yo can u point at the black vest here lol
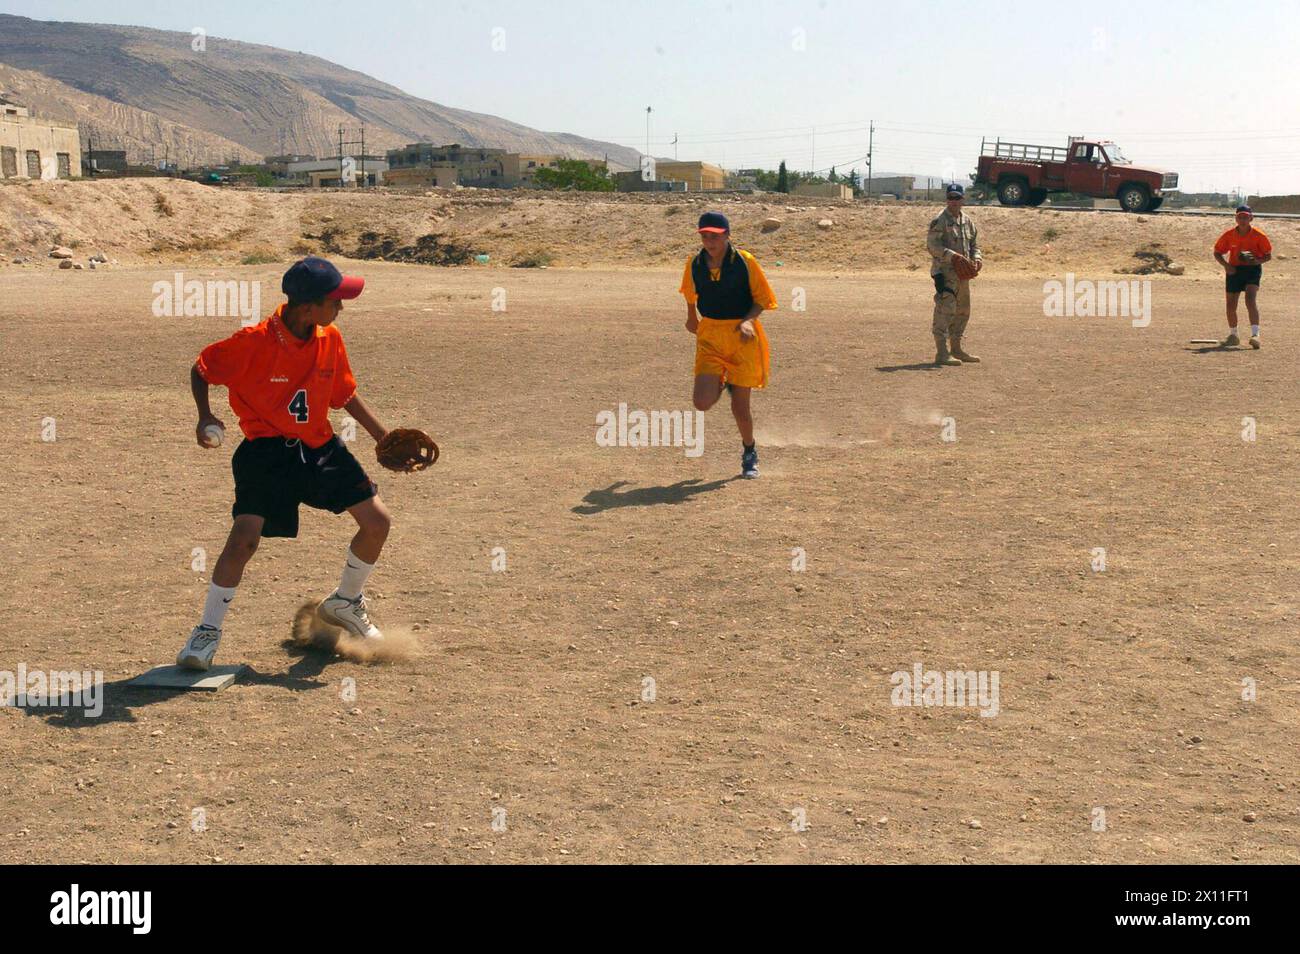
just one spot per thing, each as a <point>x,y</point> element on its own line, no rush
<point>729,297</point>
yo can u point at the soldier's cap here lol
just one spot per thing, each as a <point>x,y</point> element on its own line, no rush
<point>1245,208</point>
<point>714,222</point>
<point>955,191</point>
<point>314,279</point>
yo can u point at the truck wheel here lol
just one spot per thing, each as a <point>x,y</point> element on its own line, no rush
<point>1134,198</point>
<point>1013,192</point>
<point>1036,197</point>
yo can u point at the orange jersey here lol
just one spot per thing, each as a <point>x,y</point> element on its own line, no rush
<point>1234,243</point>
<point>281,386</point>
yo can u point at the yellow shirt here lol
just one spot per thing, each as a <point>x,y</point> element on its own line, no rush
<point>758,286</point>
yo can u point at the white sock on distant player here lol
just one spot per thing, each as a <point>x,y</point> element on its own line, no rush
<point>1254,331</point>
<point>214,610</point>
<point>355,573</point>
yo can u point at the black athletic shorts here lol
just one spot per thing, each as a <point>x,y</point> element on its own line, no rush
<point>1243,276</point>
<point>273,475</point>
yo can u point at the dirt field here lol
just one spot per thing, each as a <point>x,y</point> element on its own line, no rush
<point>161,221</point>
<point>1119,689</point>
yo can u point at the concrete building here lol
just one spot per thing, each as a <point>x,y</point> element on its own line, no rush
<point>900,186</point>
<point>326,173</point>
<point>1274,203</point>
<point>279,165</point>
<point>104,160</point>
<point>698,176</point>
<point>474,166</point>
<point>520,168</point>
<point>824,190</point>
<point>632,182</point>
<point>743,178</point>
<point>439,175</point>
<point>35,148</point>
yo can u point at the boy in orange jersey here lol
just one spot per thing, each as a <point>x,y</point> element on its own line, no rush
<point>1242,251</point>
<point>726,291</point>
<point>283,376</point>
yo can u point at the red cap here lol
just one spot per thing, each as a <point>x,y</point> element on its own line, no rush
<point>350,287</point>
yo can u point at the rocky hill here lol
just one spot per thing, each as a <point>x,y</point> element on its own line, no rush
<point>265,99</point>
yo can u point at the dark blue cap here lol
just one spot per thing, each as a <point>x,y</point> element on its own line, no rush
<point>314,279</point>
<point>713,222</point>
<point>954,189</point>
<point>1245,208</point>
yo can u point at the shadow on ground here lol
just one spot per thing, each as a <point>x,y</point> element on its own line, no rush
<point>919,366</point>
<point>610,497</point>
<point>120,699</point>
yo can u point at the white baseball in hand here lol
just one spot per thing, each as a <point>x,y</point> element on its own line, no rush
<point>214,434</point>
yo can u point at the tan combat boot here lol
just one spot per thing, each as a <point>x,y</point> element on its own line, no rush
<point>962,356</point>
<point>941,356</point>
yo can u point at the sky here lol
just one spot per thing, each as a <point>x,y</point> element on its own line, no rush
<point>1205,89</point>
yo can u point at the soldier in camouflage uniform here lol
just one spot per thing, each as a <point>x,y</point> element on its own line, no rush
<point>951,233</point>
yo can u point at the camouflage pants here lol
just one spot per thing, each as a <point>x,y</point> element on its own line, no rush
<point>951,304</point>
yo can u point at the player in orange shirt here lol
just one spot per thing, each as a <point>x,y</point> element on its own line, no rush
<point>283,376</point>
<point>1242,251</point>
<point>728,289</point>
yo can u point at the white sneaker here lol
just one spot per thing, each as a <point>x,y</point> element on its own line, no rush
<point>199,648</point>
<point>350,614</point>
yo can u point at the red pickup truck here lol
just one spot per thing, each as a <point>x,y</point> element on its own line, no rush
<point>1024,174</point>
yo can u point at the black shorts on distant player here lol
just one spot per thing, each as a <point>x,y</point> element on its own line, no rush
<point>1243,276</point>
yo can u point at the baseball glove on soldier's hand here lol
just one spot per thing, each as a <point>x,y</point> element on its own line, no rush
<point>965,268</point>
<point>406,449</point>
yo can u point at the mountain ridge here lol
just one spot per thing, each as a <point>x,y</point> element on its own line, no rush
<point>265,99</point>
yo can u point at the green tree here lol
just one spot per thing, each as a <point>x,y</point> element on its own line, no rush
<point>575,174</point>
<point>782,179</point>
<point>833,176</point>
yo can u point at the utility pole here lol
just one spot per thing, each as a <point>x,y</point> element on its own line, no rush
<point>812,140</point>
<point>647,130</point>
<point>363,156</point>
<point>340,156</point>
<point>871,145</point>
<point>674,147</point>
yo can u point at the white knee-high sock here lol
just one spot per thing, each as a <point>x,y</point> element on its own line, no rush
<point>355,573</point>
<point>214,610</point>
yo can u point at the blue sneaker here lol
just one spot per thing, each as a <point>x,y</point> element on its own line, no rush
<point>749,463</point>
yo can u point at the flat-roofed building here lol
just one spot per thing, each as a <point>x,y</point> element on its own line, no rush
<point>36,148</point>
<point>824,190</point>
<point>475,166</point>
<point>698,176</point>
<point>333,172</point>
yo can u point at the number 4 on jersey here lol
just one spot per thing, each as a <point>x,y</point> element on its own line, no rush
<point>298,406</point>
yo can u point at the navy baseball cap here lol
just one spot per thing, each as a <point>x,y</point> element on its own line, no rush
<point>1245,208</point>
<point>956,191</point>
<point>313,279</point>
<point>713,222</point>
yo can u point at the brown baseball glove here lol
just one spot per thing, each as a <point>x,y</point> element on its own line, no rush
<point>965,268</point>
<point>406,449</point>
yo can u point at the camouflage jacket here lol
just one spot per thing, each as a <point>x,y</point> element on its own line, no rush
<point>946,235</point>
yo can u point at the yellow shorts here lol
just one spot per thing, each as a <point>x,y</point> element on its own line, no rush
<point>720,350</point>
